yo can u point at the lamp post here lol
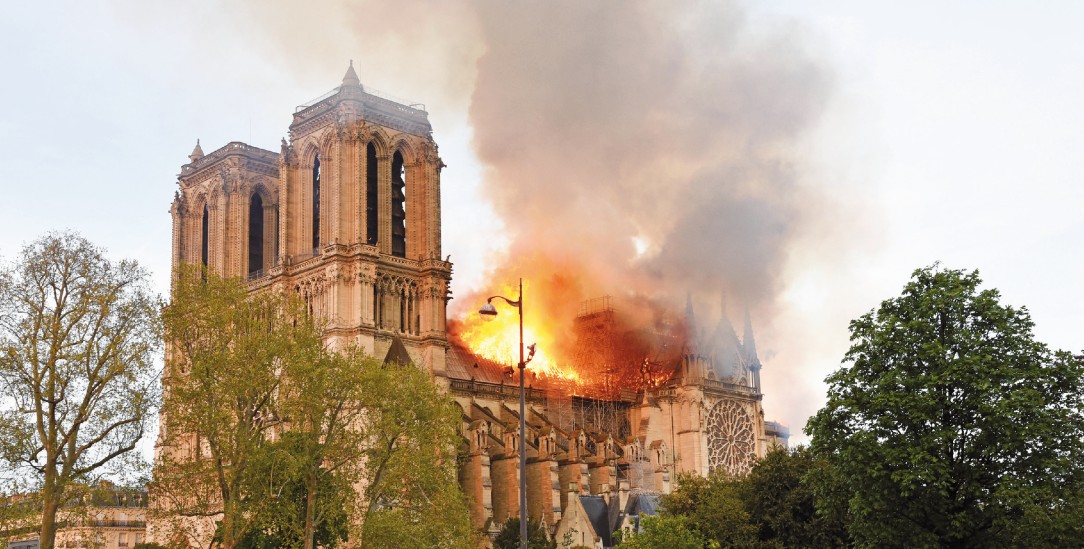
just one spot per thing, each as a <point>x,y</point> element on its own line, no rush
<point>488,312</point>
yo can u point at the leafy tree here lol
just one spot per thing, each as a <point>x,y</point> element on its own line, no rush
<point>79,334</point>
<point>225,377</point>
<point>715,508</point>
<point>669,531</point>
<point>279,478</point>
<point>247,367</point>
<point>775,505</point>
<point>952,426</point>
<point>508,537</point>
<point>781,501</point>
<point>411,430</point>
<point>323,402</point>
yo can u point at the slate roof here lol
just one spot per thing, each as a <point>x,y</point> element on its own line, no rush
<point>599,515</point>
<point>397,353</point>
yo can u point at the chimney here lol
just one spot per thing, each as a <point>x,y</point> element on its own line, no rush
<point>622,494</point>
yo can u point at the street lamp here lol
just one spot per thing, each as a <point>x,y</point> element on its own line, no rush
<point>489,312</point>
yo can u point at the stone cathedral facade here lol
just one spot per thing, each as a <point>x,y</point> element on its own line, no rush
<point>347,215</point>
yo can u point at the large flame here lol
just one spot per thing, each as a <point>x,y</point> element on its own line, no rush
<point>599,348</point>
<point>497,337</point>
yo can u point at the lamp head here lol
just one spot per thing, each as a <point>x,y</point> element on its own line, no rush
<point>488,312</point>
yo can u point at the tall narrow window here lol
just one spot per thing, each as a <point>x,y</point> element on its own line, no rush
<point>203,238</point>
<point>255,234</point>
<point>378,306</point>
<point>398,206</point>
<point>403,315</point>
<point>370,195</point>
<point>316,204</point>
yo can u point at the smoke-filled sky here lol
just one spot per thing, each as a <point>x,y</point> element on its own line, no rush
<point>801,157</point>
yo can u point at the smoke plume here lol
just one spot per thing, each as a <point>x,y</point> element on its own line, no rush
<point>643,149</point>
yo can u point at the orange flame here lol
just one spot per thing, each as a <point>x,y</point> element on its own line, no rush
<point>583,348</point>
<point>497,338</point>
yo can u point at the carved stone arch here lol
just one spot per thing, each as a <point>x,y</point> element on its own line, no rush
<point>267,189</point>
<point>309,149</point>
<point>403,145</point>
<point>381,142</point>
<point>198,201</point>
<point>327,140</point>
<point>214,194</point>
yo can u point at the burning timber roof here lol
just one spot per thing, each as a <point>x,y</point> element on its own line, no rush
<point>465,365</point>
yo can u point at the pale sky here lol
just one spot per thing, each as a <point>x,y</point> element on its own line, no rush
<point>952,133</point>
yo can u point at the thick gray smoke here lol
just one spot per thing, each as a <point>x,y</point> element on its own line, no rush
<point>645,147</point>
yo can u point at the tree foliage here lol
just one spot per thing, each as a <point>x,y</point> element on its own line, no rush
<point>268,432</point>
<point>279,478</point>
<point>715,508</point>
<point>780,497</point>
<point>79,335</point>
<point>508,537</point>
<point>229,353</point>
<point>952,426</point>
<point>670,531</point>
<point>775,505</point>
<point>324,402</point>
<point>411,432</point>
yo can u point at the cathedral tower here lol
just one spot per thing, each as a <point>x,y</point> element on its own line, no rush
<point>346,214</point>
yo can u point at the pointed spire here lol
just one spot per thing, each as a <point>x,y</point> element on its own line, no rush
<point>197,153</point>
<point>748,343</point>
<point>689,317</point>
<point>691,333</point>
<point>351,78</point>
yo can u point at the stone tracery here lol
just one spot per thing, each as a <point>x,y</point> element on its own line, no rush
<point>731,439</point>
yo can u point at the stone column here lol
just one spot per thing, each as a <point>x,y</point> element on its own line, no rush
<point>572,473</point>
<point>178,241</point>
<point>474,474</point>
<point>269,235</point>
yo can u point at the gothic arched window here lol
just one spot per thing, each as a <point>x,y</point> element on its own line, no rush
<point>255,233</point>
<point>370,195</point>
<point>203,237</point>
<point>398,206</point>
<point>316,204</point>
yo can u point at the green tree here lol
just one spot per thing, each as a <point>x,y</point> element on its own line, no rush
<point>779,496</point>
<point>715,508</point>
<point>411,430</point>
<point>669,531</point>
<point>508,537</point>
<point>79,335</point>
<point>229,352</point>
<point>952,426</point>
<point>324,402</point>
<point>278,477</point>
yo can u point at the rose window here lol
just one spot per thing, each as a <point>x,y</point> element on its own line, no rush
<point>731,442</point>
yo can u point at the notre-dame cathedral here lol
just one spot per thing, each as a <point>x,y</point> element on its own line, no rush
<point>347,214</point>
